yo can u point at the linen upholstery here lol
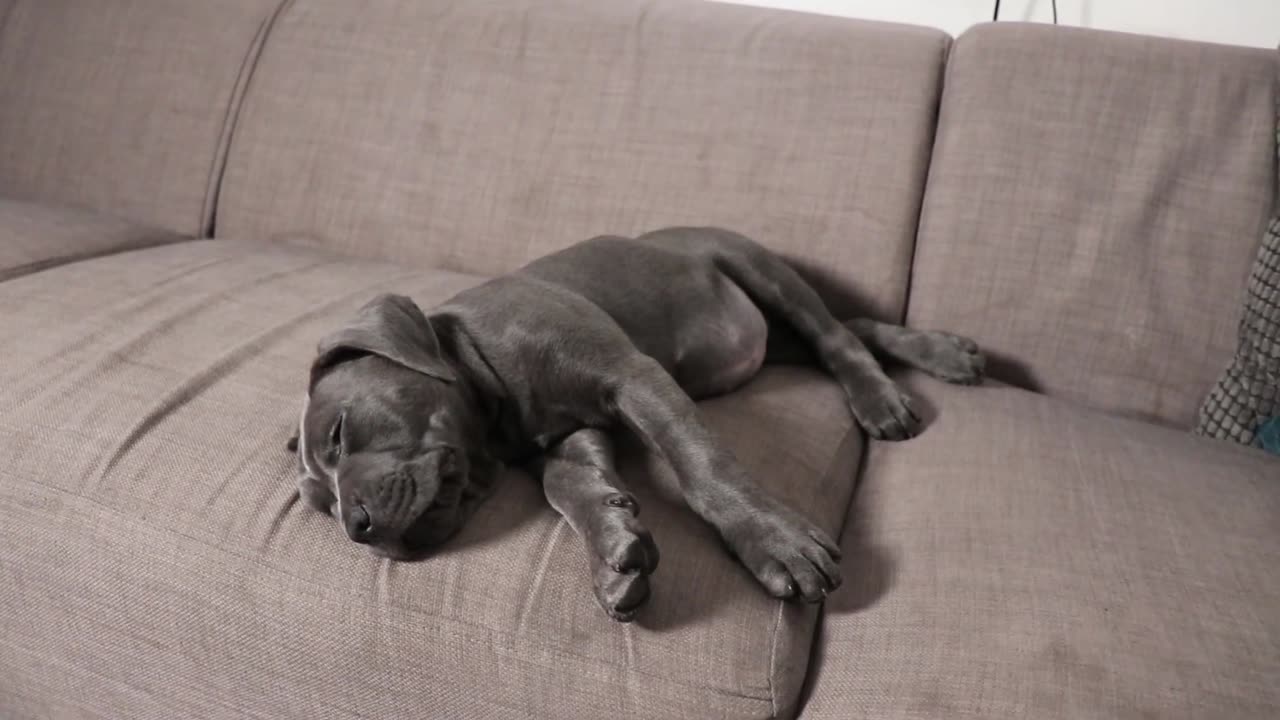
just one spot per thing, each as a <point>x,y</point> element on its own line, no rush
<point>480,135</point>
<point>124,106</point>
<point>34,236</point>
<point>1094,203</point>
<point>157,563</point>
<point>1028,558</point>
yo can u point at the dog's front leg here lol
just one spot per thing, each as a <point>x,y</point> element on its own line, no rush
<point>786,553</point>
<point>580,482</point>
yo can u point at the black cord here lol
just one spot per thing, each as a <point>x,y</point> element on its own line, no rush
<point>995,14</point>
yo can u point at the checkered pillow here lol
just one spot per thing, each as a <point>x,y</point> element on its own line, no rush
<point>1248,393</point>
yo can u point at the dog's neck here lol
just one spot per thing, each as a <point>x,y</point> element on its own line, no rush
<point>476,377</point>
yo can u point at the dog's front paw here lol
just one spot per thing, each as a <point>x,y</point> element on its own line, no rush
<point>885,413</point>
<point>953,358</point>
<point>788,555</point>
<point>620,594</point>
<point>623,555</point>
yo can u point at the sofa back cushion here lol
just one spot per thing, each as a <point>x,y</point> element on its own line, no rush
<point>123,106</point>
<point>476,136</point>
<point>1093,205</point>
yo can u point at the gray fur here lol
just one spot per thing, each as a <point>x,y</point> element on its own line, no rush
<point>408,413</point>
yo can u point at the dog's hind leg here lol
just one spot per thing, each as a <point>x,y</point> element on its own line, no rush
<point>876,402</point>
<point>943,355</point>
<point>580,482</point>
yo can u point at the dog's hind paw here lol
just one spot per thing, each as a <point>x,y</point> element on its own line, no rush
<point>953,358</point>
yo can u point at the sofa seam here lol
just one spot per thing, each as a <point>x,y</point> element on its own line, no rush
<point>853,432</point>
<point>231,117</point>
<point>944,73</point>
<point>4,17</point>
<point>147,241</point>
<point>1275,160</point>
<point>773,662</point>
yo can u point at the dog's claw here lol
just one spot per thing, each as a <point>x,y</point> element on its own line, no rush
<point>885,413</point>
<point>621,595</point>
<point>787,554</point>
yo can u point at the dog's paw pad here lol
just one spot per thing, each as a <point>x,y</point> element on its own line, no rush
<point>624,500</point>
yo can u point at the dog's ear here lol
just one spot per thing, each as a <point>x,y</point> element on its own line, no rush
<point>391,327</point>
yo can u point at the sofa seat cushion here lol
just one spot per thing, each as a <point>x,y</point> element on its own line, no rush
<point>155,561</point>
<point>1026,558</point>
<point>34,236</point>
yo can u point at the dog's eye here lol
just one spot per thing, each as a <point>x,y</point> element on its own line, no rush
<point>335,437</point>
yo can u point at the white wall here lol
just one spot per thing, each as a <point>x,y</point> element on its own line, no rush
<point>1240,22</point>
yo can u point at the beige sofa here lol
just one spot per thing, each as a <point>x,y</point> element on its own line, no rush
<point>193,192</point>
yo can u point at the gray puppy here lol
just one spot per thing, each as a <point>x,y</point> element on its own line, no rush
<point>408,414</point>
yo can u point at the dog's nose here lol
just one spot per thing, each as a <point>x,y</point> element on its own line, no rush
<point>359,524</point>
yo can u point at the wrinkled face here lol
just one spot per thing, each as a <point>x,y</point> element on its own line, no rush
<point>382,449</point>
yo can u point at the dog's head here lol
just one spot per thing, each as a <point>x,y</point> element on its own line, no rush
<point>387,438</point>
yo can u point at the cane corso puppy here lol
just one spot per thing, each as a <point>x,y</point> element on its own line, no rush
<point>408,413</point>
